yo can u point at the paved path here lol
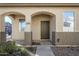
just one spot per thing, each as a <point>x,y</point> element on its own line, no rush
<point>44,50</point>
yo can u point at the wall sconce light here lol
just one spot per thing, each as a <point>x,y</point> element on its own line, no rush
<point>28,23</point>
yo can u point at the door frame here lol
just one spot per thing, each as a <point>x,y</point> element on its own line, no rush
<point>41,29</point>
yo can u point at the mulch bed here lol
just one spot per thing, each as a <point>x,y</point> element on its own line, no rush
<point>65,51</point>
<point>32,49</point>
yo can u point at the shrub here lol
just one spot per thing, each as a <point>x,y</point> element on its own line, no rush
<point>10,48</point>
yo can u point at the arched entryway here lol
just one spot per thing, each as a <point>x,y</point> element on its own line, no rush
<point>43,28</point>
<point>8,27</point>
<point>17,26</point>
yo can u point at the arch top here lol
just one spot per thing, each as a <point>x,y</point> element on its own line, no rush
<point>42,12</point>
<point>13,12</point>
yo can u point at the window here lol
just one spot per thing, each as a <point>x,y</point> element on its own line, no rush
<point>68,21</point>
<point>22,25</point>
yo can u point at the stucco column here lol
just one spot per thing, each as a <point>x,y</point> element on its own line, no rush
<point>28,33</point>
<point>59,28</point>
<point>2,30</point>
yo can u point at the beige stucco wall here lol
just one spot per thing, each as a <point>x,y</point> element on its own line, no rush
<point>58,11</point>
<point>52,26</point>
<point>2,24</point>
<point>16,33</point>
<point>28,11</point>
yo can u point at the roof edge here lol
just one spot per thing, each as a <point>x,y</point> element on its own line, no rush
<point>39,4</point>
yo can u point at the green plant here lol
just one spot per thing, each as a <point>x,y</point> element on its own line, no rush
<point>12,49</point>
<point>2,47</point>
<point>23,52</point>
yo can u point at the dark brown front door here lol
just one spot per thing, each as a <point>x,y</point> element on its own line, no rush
<point>44,29</point>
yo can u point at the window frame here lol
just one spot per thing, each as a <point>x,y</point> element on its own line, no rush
<point>73,20</point>
<point>20,27</point>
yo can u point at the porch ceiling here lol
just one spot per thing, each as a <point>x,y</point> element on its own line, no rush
<point>39,4</point>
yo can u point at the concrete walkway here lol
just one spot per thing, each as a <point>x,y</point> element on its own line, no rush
<point>44,50</point>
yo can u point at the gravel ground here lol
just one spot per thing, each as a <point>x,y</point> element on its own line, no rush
<point>65,51</point>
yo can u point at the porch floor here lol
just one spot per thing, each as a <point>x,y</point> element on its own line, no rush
<point>42,42</point>
<point>45,42</point>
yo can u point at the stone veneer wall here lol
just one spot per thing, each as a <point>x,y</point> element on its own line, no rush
<point>28,38</point>
<point>67,38</point>
<point>2,37</point>
<point>53,38</point>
